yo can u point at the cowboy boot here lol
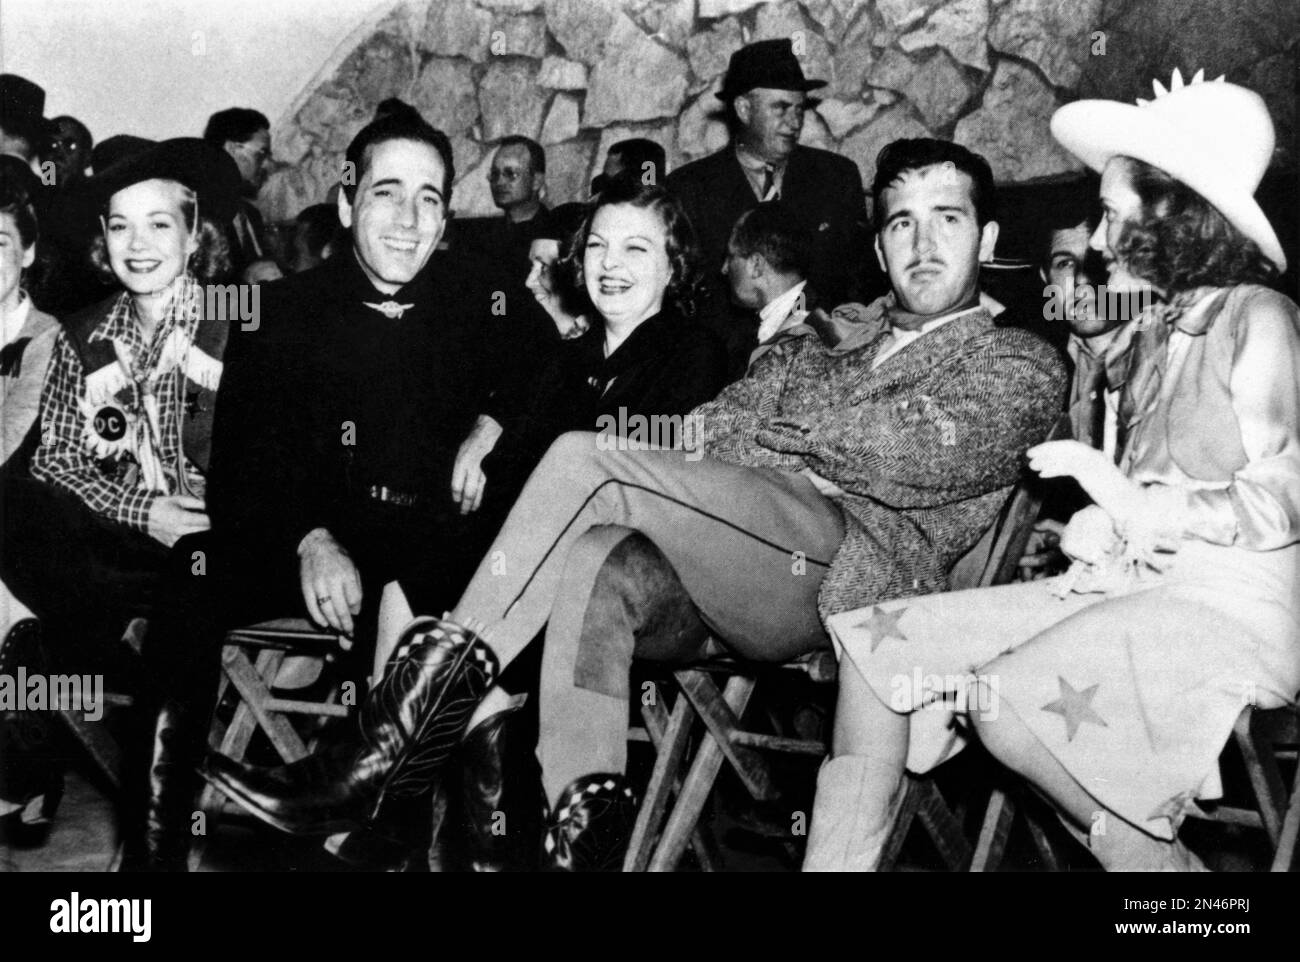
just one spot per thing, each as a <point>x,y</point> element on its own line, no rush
<point>410,723</point>
<point>501,787</point>
<point>591,826</point>
<point>843,836</point>
<point>178,745</point>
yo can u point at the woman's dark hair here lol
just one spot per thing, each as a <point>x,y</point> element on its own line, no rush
<point>681,245</point>
<point>210,262</point>
<point>1180,241</point>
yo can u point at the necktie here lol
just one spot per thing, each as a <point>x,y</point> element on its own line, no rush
<point>769,181</point>
<point>11,357</point>
<point>1095,398</point>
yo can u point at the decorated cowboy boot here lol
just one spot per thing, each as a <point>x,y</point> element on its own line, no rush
<point>590,827</point>
<point>409,725</point>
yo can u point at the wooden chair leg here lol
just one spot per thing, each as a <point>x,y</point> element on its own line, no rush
<point>902,824</point>
<point>1284,854</point>
<point>1051,860</point>
<point>994,830</point>
<point>699,780</point>
<point>1261,768</point>
<point>944,829</point>
<point>723,721</point>
<point>254,686</point>
<point>670,739</point>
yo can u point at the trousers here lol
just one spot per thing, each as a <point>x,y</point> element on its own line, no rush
<point>749,546</point>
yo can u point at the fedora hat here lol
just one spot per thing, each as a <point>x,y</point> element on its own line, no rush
<point>1215,137</point>
<point>208,171</point>
<point>767,63</point>
<point>22,105</point>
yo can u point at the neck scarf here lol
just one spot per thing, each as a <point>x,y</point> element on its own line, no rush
<point>116,376</point>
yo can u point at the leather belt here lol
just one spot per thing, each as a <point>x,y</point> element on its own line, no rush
<point>403,499</point>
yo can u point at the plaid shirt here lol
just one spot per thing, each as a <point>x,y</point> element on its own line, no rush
<point>110,482</point>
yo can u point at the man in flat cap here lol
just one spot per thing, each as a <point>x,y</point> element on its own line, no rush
<point>766,96</point>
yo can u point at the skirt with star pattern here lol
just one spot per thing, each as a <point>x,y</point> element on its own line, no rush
<point>1135,692</point>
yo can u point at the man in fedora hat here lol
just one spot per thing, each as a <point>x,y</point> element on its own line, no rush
<point>766,95</point>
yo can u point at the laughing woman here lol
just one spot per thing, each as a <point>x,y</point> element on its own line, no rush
<point>1114,688</point>
<point>117,478</point>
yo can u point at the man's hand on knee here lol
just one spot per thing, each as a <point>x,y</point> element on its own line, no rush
<point>330,582</point>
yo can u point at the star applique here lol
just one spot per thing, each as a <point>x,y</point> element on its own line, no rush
<point>1174,808</point>
<point>883,625</point>
<point>1075,707</point>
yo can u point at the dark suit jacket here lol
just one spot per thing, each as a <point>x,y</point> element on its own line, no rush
<point>823,189</point>
<point>280,464</point>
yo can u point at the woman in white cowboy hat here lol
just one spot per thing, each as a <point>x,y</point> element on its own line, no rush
<point>1114,688</point>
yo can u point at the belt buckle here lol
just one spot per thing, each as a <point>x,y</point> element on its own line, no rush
<point>381,492</point>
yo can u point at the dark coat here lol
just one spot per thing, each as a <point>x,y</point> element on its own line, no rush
<point>667,366</point>
<point>318,362</point>
<point>823,189</point>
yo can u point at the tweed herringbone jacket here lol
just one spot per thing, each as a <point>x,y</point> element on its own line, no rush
<point>927,446</point>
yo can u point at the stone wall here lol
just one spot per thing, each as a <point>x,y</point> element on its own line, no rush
<point>580,74</point>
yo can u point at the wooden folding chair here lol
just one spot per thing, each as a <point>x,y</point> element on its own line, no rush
<point>250,665</point>
<point>992,561</point>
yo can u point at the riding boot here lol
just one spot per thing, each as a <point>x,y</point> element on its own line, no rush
<point>410,723</point>
<point>590,827</point>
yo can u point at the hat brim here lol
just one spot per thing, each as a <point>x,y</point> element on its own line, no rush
<point>207,170</point>
<point>1097,130</point>
<point>727,95</point>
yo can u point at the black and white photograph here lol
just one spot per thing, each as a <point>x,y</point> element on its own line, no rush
<point>694,436</point>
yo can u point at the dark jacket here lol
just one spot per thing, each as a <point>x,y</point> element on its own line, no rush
<point>667,366</point>
<point>823,189</point>
<point>326,398</point>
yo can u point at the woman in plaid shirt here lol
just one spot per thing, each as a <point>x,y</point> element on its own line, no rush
<point>117,479</point>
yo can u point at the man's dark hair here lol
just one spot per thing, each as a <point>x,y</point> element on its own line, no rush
<point>1179,241</point>
<point>902,156</point>
<point>636,152</point>
<point>82,131</point>
<point>235,124</point>
<point>771,231</point>
<point>399,126</point>
<point>319,223</point>
<point>396,107</point>
<point>536,155</point>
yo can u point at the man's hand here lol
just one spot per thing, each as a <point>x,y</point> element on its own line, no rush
<point>828,489</point>
<point>1090,535</point>
<point>330,582</point>
<point>173,516</point>
<point>467,478</point>
<point>1043,555</point>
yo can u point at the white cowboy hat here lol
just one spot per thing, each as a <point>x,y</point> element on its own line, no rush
<point>1215,137</point>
